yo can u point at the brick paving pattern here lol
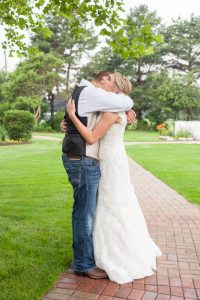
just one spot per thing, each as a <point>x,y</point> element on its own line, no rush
<point>174,224</point>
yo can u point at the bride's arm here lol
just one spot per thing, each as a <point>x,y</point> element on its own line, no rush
<point>91,136</point>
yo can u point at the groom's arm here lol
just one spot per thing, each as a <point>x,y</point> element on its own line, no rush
<point>94,99</point>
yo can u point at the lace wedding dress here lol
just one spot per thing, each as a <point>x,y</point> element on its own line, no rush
<point>122,244</point>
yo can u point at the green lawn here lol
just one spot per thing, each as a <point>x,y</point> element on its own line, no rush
<point>130,135</point>
<point>177,165</point>
<point>35,219</point>
<point>141,136</point>
<point>35,208</point>
<point>52,134</point>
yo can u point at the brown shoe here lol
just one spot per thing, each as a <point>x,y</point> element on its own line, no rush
<point>96,273</point>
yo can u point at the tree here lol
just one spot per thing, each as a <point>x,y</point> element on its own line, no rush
<point>104,59</point>
<point>148,59</point>
<point>137,62</point>
<point>30,103</point>
<point>68,46</point>
<point>138,35</point>
<point>33,79</point>
<point>3,79</point>
<point>29,16</point>
<point>163,96</point>
<point>182,46</point>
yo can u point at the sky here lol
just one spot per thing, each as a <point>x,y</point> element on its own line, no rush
<point>167,10</point>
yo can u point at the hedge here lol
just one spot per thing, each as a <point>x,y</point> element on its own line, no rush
<point>18,124</point>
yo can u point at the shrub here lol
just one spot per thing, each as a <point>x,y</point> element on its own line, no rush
<point>18,124</point>
<point>43,127</point>
<point>153,125</point>
<point>183,134</point>
<point>170,123</point>
<point>50,125</point>
<point>23,103</point>
<point>4,106</point>
<point>144,124</point>
<point>30,103</point>
<point>2,134</point>
<point>132,126</point>
<point>163,131</point>
<point>58,119</point>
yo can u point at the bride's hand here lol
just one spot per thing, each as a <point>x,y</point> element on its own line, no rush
<point>131,116</point>
<point>71,109</point>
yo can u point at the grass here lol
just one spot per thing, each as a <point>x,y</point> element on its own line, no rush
<point>51,134</point>
<point>35,208</point>
<point>130,135</point>
<point>176,165</point>
<point>141,136</point>
<point>35,219</point>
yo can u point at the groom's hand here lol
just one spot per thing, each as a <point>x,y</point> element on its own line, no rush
<point>131,116</point>
<point>63,125</point>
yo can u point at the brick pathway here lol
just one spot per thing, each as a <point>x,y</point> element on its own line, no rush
<point>174,224</point>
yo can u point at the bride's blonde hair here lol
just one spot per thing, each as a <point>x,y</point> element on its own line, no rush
<point>123,83</point>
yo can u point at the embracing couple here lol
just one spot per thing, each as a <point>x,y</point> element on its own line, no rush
<point>110,235</point>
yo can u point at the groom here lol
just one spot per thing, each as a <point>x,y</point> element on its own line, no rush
<point>82,166</point>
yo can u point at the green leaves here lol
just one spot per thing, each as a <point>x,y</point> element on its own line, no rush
<point>132,38</point>
<point>105,31</point>
<point>168,97</point>
<point>33,78</point>
<point>22,23</point>
<point>137,36</point>
<point>182,40</point>
<point>159,38</point>
<point>29,16</point>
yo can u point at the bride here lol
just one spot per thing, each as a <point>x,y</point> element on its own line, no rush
<point>122,244</point>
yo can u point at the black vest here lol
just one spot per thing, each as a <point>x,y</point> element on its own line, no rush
<point>73,143</point>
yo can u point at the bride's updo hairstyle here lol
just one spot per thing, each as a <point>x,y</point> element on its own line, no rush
<point>123,83</point>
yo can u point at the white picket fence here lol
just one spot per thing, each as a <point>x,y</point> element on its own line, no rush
<point>190,126</point>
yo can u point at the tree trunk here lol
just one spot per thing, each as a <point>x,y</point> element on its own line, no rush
<point>52,98</point>
<point>58,98</point>
<point>139,75</point>
<point>57,91</point>
<point>37,113</point>
<point>67,79</point>
<point>139,114</point>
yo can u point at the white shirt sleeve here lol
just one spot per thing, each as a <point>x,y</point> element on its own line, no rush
<point>94,99</point>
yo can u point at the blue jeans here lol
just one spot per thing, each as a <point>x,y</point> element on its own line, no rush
<point>84,175</point>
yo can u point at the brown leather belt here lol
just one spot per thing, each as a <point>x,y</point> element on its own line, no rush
<point>75,156</point>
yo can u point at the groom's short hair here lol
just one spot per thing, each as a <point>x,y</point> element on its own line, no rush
<point>98,77</point>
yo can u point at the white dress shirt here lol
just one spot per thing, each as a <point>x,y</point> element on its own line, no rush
<point>93,99</point>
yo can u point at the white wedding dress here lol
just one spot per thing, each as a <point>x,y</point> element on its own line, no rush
<point>122,244</point>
